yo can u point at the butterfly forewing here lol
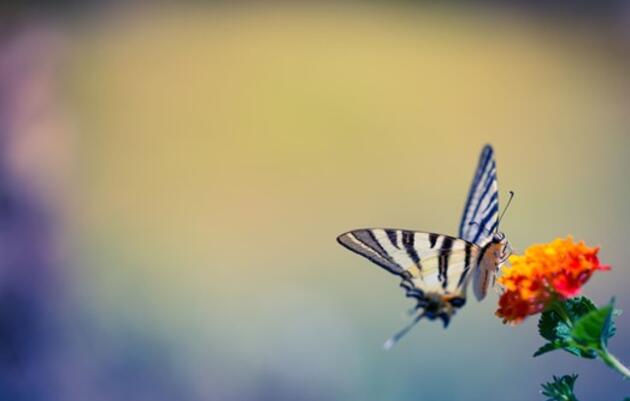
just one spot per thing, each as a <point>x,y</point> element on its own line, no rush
<point>480,217</point>
<point>429,262</point>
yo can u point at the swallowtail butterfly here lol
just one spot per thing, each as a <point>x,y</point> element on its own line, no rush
<point>435,268</point>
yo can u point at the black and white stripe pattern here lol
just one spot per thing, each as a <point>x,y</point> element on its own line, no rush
<point>436,269</point>
<point>480,217</point>
<point>425,261</point>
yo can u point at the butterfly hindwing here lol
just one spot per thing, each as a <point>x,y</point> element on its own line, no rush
<point>480,217</point>
<point>427,262</point>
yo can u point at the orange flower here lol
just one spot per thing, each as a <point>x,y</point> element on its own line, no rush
<point>545,273</point>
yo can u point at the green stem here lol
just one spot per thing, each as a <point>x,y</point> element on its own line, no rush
<point>613,362</point>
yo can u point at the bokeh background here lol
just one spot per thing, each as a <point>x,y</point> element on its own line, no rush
<point>173,177</point>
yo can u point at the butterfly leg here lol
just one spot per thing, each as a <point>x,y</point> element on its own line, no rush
<point>505,254</point>
<point>396,337</point>
<point>497,288</point>
<point>412,311</point>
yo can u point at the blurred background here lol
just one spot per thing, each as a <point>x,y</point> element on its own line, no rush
<point>173,177</point>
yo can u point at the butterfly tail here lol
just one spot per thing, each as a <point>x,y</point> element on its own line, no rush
<point>446,319</point>
<point>396,337</point>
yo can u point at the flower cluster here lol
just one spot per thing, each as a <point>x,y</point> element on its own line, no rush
<point>545,273</point>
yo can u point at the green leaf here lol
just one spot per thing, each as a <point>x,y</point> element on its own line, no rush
<point>592,330</point>
<point>549,347</point>
<point>610,328</point>
<point>608,325</point>
<point>554,328</point>
<point>578,307</point>
<point>613,328</point>
<point>567,345</point>
<point>576,350</point>
<point>578,327</point>
<point>560,389</point>
<point>548,323</point>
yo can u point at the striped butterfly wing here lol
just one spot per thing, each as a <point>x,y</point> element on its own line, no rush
<point>428,263</point>
<point>480,217</point>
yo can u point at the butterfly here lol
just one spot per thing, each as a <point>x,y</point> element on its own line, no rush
<point>436,269</point>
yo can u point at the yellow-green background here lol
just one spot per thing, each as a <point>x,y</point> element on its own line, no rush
<point>221,150</point>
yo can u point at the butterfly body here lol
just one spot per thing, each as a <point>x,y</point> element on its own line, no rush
<point>436,269</point>
<point>493,254</point>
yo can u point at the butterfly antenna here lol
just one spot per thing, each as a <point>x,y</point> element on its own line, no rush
<point>396,337</point>
<point>507,205</point>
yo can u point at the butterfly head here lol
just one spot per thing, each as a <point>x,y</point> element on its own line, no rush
<point>498,237</point>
